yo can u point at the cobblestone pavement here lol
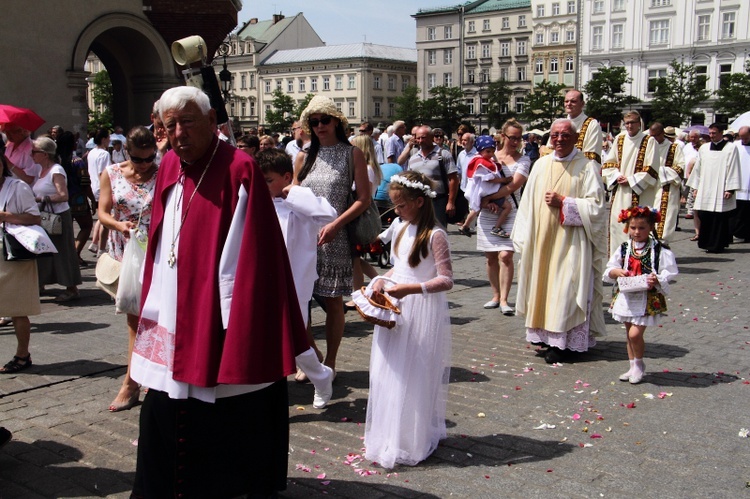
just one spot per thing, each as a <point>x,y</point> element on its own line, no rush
<point>674,435</point>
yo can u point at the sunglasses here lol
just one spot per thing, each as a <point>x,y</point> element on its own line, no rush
<point>325,120</point>
<point>37,151</point>
<point>137,160</point>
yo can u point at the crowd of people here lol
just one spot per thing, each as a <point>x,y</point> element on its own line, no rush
<point>214,222</point>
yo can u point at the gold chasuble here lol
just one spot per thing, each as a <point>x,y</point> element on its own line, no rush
<point>562,257</point>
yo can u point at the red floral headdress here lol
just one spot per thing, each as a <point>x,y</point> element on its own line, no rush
<point>650,214</point>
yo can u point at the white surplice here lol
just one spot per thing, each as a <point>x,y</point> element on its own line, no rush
<point>714,173</point>
<point>640,185</point>
<point>667,195</point>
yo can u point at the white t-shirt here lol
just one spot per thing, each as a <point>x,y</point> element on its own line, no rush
<point>98,159</point>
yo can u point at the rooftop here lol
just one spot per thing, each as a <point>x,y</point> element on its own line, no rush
<point>476,7</point>
<point>265,31</point>
<point>348,51</point>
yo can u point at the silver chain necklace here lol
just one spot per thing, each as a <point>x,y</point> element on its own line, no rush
<point>172,260</point>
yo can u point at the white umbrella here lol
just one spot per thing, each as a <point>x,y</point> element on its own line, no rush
<point>743,120</point>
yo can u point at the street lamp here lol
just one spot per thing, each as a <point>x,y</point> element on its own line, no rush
<point>225,76</point>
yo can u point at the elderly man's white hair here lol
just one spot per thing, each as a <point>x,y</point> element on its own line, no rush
<point>565,121</point>
<point>177,98</point>
<point>472,137</point>
<point>389,130</point>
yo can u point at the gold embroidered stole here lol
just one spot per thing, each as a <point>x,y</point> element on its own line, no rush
<point>664,203</point>
<point>640,167</point>
<point>615,164</point>
<point>582,136</point>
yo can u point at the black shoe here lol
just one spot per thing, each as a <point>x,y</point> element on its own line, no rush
<point>553,355</point>
<point>5,436</point>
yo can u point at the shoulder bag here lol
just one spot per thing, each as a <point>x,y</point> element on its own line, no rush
<point>365,228</point>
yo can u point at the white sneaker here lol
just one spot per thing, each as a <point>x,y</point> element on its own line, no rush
<point>626,376</point>
<point>323,396</point>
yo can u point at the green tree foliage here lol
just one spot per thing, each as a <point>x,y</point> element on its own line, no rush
<point>282,113</point>
<point>409,107</point>
<point>498,100</point>
<point>445,108</point>
<point>677,95</point>
<point>734,93</point>
<point>544,105</point>
<point>101,93</point>
<point>606,98</point>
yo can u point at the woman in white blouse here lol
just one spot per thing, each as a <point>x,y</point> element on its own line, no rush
<point>51,191</point>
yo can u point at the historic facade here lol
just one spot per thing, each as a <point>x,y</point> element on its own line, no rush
<point>554,41</point>
<point>131,37</point>
<point>644,36</point>
<point>363,79</point>
<point>248,47</point>
<point>493,43</point>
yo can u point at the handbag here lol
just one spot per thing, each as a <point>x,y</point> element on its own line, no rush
<point>107,274</point>
<point>461,203</point>
<point>13,251</point>
<point>365,228</point>
<point>51,222</point>
<point>376,307</point>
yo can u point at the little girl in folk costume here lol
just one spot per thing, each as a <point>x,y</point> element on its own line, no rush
<point>410,364</point>
<point>642,255</point>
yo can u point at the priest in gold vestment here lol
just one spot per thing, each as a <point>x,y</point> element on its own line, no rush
<point>561,234</point>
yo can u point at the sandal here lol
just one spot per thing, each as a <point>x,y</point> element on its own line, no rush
<point>6,321</point>
<point>465,231</point>
<point>66,296</point>
<point>15,365</point>
<point>694,238</point>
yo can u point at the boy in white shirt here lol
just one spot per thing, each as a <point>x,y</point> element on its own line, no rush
<point>301,216</point>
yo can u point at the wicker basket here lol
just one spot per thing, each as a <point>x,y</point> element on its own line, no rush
<point>376,307</point>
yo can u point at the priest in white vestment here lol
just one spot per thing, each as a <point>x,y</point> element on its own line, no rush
<point>716,178</point>
<point>740,223</point>
<point>589,130</point>
<point>560,233</point>
<point>626,174</point>
<point>669,162</point>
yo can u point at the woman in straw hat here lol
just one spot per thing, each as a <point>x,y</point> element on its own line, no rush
<point>326,169</point>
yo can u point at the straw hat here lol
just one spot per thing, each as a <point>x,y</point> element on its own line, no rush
<point>670,132</point>
<point>321,104</point>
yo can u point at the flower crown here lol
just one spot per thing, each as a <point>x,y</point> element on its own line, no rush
<point>413,184</point>
<point>640,211</point>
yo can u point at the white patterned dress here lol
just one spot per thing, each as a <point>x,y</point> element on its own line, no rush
<point>130,201</point>
<point>410,364</point>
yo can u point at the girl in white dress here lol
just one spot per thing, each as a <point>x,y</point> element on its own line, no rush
<point>410,364</point>
<point>642,254</point>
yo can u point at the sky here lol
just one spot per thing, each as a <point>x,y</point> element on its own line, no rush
<point>337,22</point>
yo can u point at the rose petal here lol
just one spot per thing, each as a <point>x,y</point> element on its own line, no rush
<point>631,405</point>
<point>576,416</point>
<point>321,476</point>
